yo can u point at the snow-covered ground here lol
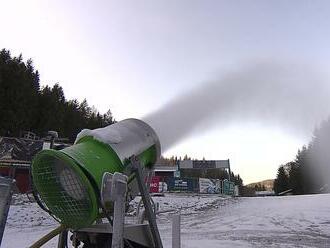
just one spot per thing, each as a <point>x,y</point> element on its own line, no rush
<point>292,221</point>
<point>207,221</point>
<point>26,223</point>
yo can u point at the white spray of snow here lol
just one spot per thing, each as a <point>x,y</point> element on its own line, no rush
<point>279,94</point>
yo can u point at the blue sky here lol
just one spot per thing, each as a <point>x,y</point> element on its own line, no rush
<point>135,56</point>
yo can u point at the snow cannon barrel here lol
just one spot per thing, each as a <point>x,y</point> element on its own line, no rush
<point>69,181</point>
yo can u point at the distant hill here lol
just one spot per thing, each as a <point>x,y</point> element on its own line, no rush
<point>269,184</point>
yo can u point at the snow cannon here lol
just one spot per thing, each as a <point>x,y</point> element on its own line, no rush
<point>68,182</point>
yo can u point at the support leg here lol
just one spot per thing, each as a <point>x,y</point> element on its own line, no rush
<point>136,168</point>
<point>6,192</point>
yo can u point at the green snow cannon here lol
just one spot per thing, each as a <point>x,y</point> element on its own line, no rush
<point>69,181</point>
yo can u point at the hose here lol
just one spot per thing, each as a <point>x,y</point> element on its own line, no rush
<point>48,237</point>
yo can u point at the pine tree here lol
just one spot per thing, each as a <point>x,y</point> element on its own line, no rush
<point>281,182</point>
<point>19,85</point>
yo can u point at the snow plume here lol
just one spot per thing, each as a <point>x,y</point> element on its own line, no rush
<point>316,159</point>
<point>281,94</point>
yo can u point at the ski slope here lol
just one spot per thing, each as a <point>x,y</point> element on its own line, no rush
<point>289,221</point>
<point>207,221</point>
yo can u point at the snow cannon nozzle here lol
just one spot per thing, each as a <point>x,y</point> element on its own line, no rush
<point>69,181</point>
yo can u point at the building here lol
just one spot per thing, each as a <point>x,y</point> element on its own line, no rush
<point>16,155</point>
<point>165,172</point>
<point>199,176</point>
<point>215,169</point>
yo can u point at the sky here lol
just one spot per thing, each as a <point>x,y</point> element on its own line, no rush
<point>133,57</point>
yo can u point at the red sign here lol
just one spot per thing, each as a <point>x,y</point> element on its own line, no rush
<point>154,184</point>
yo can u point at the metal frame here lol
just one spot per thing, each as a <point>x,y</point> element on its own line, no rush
<point>63,239</point>
<point>138,233</point>
<point>114,188</point>
<point>118,196</point>
<point>136,167</point>
<point>176,231</point>
<point>6,193</point>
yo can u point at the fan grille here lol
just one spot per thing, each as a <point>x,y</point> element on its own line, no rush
<point>64,188</point>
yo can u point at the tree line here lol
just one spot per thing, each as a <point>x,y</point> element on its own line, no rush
<point>26,106</point>
<point>309,173</point>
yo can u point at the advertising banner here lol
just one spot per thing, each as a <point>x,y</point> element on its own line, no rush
<point>228,187</point>
<point>154,184</point>
<point>182,184</point>
<point>177,174</point>
<point>209,186</point>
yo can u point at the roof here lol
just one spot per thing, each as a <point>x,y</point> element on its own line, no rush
<point>204,164</point>
<point>165,168</point>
